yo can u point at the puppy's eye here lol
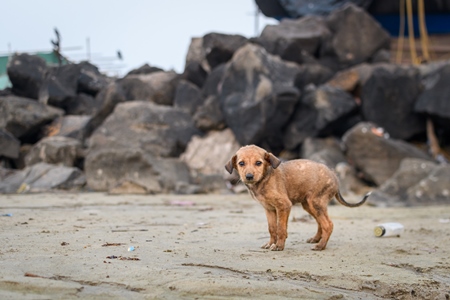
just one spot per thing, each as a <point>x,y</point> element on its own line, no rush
<point>258,163</point>
<point>241,163</point>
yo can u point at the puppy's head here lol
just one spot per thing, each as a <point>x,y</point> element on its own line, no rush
<point>252,163</point>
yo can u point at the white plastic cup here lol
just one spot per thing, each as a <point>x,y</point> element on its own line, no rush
<point>388,229</point>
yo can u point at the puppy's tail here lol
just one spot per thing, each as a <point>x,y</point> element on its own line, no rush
<point>343,202</point>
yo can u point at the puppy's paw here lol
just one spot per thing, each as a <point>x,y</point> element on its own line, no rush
<point>317,248</point>
<point>312,240</point>
<point>266,245</point>
<point>275,247</point>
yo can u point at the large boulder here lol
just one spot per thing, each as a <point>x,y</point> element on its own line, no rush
<point>318,112</point>
<point>157,87</point>
<point>394,191</point>
<point>107,98</point>
<point>375,154</point>
<point>433,189</point>
<point>58,150</point>
<point>157,129</point>
<point>292,40</point>
<point>209,154</point>
<point>24,118</point>
<point>433,101</point>
<point>9,145</point>
<point>144,139</point>
<point>257,96</point>
<point>42,177</point>
<point>356,37</point>
<point>213,49</point>
<point>62,83</point>
<point>206,157</point>
<point>113,169</point>
<point>26,73</point>
<point>219,47</point>
<point>393,89</point>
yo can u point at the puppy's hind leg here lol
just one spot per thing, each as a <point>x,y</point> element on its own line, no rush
<point>324,223</point>
<point>316,238</point>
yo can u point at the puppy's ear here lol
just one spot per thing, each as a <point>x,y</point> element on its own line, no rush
<point>231,164</point>
<point>272,159</point>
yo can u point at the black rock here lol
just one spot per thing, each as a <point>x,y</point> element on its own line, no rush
<point>388,98</point>
<point>295,40</point>
<point>26,73</point>
<point>317,113</point>
<point>24,117</point>
<point>355,37</point>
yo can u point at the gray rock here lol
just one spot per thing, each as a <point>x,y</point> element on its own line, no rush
<point>157,87</point>
<point>326,151</point>
<point>58,150</point>
<point>157,129</point>
<point>376,155</point>
<point>109,169</point>
<point>209,154</point>
<point>9,145</point>
<point>24,117</point>
<point>43,177</point>
<point>394,191</point>
<point>70,126</point>
<point>433,189</point>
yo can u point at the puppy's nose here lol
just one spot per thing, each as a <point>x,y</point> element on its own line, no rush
<point>249,176</point>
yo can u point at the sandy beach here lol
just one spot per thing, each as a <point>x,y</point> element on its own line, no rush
<point>71,246</point>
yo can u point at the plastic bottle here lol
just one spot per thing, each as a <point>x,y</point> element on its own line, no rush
<point>389,229</point>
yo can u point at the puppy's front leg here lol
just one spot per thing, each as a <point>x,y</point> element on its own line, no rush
<point>282,222</point>
<point>272,222</point>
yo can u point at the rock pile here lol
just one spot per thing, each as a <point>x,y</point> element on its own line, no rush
<point>317,87</point>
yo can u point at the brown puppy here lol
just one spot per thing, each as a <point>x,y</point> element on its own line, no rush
<point>278,186</point>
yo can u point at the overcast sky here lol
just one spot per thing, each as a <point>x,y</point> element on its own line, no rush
<point>157,32</point>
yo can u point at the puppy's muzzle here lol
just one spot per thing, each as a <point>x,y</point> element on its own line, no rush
<point>249,176</point>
